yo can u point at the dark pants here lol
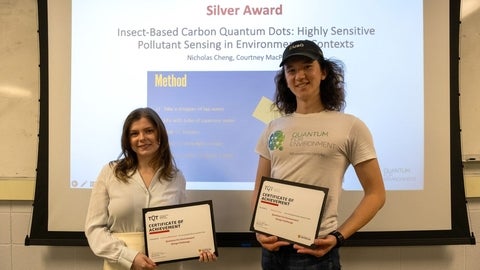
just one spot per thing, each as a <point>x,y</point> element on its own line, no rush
<point>287,258</point>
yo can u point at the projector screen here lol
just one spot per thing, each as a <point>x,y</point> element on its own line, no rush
<point>208,69</point>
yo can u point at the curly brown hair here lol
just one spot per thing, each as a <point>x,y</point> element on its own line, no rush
<point>332,88</point>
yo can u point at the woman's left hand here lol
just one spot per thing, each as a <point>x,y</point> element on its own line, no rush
<point>207,256</point>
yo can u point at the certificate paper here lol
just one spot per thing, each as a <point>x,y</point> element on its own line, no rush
<point>292,211</point>
<point>179,232</point>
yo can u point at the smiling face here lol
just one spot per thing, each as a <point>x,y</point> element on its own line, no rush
<point>144,139</point>
<point>303,78</point>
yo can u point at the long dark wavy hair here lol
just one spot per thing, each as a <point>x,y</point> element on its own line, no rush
<point>332,88</point>
<point>127,163</point>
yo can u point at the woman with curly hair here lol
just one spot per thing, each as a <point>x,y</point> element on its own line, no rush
<point>318,143</point>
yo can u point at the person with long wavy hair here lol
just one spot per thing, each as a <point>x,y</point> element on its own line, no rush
<point>314,142</point>
<point>144,175</point>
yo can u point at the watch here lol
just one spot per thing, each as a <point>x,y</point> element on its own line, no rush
<point>339,237</point>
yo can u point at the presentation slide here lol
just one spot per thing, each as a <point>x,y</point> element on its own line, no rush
<point>208,67</point>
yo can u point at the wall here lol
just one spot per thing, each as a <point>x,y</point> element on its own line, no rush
<point>19,90</point>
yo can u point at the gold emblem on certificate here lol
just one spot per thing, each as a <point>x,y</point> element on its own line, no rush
<point>179,232</point>
<point>292,211</point>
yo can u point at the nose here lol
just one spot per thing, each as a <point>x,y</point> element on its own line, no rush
<point>300,74</point>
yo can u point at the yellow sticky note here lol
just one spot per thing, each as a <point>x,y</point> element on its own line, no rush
<point>265,112</point>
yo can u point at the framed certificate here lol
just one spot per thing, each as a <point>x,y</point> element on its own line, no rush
<point>289,210</point>
<point>179,232</point>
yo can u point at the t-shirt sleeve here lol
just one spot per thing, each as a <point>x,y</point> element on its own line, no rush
<point>361,143</point>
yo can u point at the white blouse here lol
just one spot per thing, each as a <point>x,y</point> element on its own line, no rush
<point>116,207</point>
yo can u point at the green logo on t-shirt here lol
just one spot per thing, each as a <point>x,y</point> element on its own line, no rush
<point>276,140</point>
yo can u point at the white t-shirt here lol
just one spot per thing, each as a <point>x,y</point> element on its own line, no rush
<point>316,149</point>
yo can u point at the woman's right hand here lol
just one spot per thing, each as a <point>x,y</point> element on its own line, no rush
<point>142,262</point>
<point>270,243</point>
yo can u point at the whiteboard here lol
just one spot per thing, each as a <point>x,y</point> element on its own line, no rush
<point>19,89</point>
<point>19,93</point>
<point>470,77</point>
